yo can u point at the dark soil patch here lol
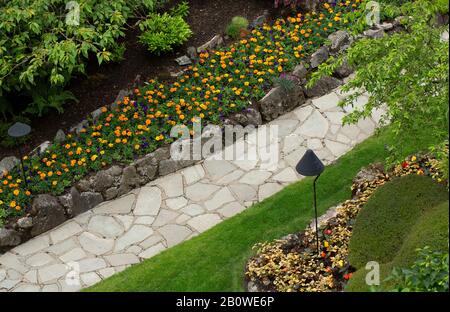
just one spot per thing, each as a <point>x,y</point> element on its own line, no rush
<point>102,84</point>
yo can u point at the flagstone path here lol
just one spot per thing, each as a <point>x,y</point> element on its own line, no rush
<point>174,208</point>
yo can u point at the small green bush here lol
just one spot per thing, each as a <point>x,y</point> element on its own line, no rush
<point>161,33</point>
<point>238,23</point>
<point>428,273</point>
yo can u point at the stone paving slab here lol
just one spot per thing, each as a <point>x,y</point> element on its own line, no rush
<point>175,208</point>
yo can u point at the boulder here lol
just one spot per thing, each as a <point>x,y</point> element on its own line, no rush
<point>339,41</point>
<point>114,171</point>
<point>183,60</point>
<point>300,71</point>
<point>9,238</point>
<point>96,115</point>
<point>7,163</point>
<point>192,53</point>
<point>344,70</point>
<point>280,101</point>
<point>60,136</point>
<point>170,165</point>
<point>130,179</point>
<point>79,127</point>
<point>88,200</point>
<point>212,44</point>
<point>102,181</point>
<point>318,57</point>
<point>111,193</point>
<point>47,213</point>
<point>249,116</point>
<point>323,86</point>
<point>25,223</point>
<point>84,185</point>
<point>122,94</point>
<point>374,33</point>
<point>366,175</point>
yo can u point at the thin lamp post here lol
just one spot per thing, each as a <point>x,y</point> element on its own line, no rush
<point>19,130</point>
<point>311,166</point>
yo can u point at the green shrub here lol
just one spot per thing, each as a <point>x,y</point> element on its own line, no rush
<point>405,214</point>
<point>428,273</point>
<point>238,23</point>
<point>182,9</point>
<point>161,33</point>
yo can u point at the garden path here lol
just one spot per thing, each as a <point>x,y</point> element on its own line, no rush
<point>176,207</point>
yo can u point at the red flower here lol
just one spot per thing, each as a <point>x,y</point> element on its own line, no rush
<point>405,164</point>
<point>323,255</point>
<point>328,232</point>
<point>348,276</point>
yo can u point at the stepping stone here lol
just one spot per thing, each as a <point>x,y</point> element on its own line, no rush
<point>73,255</point>
<point>52,272</point>
<point>285,127</point>
<point>39,259</point>
<point>136,234</point>
<point>204,222</point>
<point>174,234</point>
<point>220,198</point>
<point>366,125</point>
<point>351,131</point>
<point>268,190</point>
<point>316,126</point>
<point>34,245</point>
<point>358,104</point>
<point>63,247</point>
<point>151,241</point>
<point>293,158</point>
<point>244,192</point>
<point>328,102</point>
<point>106,226</point>
<point>216,169</point>
<point>171,184</point>
<point>91,264</point>
<point>287,175</point>
<point>152,251</point>
<point>50,288</point>
<point>231,209</point>
<point>255,177</point>
<point>121,205</point>
<point>292,142</point>
<point>94,244</point>
<point>126,221</point>
<point>148,202</point>
<point>193,174</point>
<point>90,278</point>
<point>12,261</point>
<point>65,231</point>
<point>30,276</point>
<point>176,203</point>
<point>304,112</point>
<point>27,288</point>
<point>122,259</point>
<point>165,216</point>
<point>107,272</point>
<point>314,144</point>
<point>200,191</point>
<point>146,220</point>
<point>193,210</point>
<point>231,177</point>
<point>335,117</point>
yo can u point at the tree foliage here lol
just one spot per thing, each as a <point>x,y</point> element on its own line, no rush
<point>405,72</point>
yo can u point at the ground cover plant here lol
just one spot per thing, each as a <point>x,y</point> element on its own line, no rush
<point>216,258</point>
<point>223,82</point>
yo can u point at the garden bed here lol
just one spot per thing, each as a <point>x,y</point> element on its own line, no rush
<point>102,83</point>
<point>292,263</point>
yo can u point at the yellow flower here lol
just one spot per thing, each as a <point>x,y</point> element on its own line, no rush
<point>94,157</point>
<point>16,192</point>
<point>414,158</point>
<point>12,204</point>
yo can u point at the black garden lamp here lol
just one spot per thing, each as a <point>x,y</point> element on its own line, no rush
<point>311,166</point>
<point>19,130</point>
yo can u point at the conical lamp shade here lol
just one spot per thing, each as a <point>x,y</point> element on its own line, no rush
<point>310,165</point>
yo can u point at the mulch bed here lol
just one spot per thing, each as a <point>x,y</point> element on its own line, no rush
<point>292,263</point>
<point>102,84</point>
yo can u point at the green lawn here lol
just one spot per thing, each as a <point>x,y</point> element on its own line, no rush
<point>407,213</point>
<point>215,260</point>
